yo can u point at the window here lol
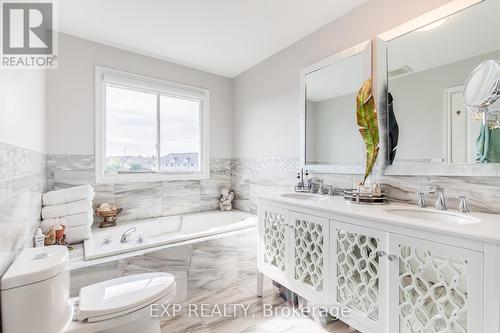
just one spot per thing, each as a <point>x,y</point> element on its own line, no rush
<point>149,129</point>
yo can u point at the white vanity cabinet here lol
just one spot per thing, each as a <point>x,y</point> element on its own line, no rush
<point>393,279</point>
<point>434,287</point>
<point>273,258</point>
<point>294,250</point>
<point>309,256</point>
<point>359,274</point>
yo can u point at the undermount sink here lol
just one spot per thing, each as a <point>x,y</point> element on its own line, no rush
<point>302,196</point>
<point>438,216</point>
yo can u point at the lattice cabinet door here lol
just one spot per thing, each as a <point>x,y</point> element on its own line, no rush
<point>309,256</point>
<point>273,249</point>
<point>360,274</point>
<point>434,287</point>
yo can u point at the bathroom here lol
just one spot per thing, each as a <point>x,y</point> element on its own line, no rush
<point>247,207</point>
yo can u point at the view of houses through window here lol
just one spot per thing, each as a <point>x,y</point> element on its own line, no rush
<point>148,131</point>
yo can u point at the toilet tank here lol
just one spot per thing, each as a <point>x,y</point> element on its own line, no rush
<point>35,291</point>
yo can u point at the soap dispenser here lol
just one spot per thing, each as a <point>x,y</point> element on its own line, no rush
<point>39,238</point>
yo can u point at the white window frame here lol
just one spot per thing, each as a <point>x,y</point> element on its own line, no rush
<point>103,75</point>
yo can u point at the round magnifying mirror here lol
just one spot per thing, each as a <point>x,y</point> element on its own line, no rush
<point>483,85</point>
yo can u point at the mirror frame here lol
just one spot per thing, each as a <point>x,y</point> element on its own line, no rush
<point>364,48</point>
<point>381,85</point>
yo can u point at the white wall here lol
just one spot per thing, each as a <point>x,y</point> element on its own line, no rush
<point>70,94</point>
<point>419,106</point>
<point>332,132</point>
<point>22,163</point>
<point>266,98</point>
<point>22,108</point>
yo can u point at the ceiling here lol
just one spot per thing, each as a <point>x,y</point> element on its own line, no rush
<point>466,34</point>
<point>339,79</point>
<point>224,37</point>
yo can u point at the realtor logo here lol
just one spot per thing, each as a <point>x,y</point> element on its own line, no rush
<point>28,38</point>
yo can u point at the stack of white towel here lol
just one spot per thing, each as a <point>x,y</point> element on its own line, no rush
<point>71,207</point>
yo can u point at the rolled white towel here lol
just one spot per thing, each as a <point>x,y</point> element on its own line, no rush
<point>59,197</point>
<point>77,234</point>
<point>69,221</point>
<point>72,208</point>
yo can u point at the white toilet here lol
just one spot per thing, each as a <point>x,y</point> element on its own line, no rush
<point>35,298</point>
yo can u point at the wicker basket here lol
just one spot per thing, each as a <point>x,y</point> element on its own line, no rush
<point>108,217</point>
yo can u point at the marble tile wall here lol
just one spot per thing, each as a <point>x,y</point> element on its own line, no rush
<point>22,181</point>
<point>24,175</point>
<point>199,268</point>
<point>147,199</point>
<point>483,193</point>
<point>254,177</point>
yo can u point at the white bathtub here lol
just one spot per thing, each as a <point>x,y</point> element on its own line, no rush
<point>164,230</point>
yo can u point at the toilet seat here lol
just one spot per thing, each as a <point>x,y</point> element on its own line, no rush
<point>117,297</point>
<point>40,277</point>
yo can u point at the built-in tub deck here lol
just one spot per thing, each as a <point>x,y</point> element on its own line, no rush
<point>156,234</point>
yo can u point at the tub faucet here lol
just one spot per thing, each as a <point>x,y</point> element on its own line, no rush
<point>125,235</point>
<point>441,201</point>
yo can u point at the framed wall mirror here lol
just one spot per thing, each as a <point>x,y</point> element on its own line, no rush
<point>425,69</point>
<point>331,142</point>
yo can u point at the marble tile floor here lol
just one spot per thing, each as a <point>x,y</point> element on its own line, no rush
<point>254,321</point>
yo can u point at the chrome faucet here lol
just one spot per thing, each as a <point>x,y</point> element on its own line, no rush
<point>463,207</point>
<point>328,190</point>
<point>301,184</point>
<point>421,202</point>
<point>441,201</point>
<point>125,235</point>
<point>316,186</point>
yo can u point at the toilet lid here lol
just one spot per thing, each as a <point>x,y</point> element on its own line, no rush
<point>118,295</point>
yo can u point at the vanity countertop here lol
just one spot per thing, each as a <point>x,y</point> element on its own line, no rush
<point>487,230</point>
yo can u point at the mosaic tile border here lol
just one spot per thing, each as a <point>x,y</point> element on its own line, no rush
<point>17,162</point>
<point>23,179</point>
<point>62,162</point>
<point>266,164</point>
